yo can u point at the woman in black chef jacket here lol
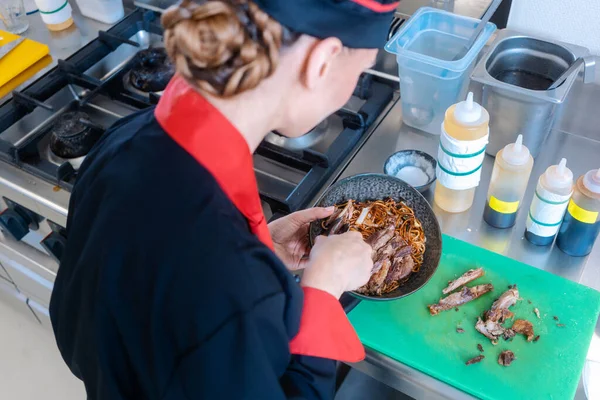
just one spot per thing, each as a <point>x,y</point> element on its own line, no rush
<point>172,285</point>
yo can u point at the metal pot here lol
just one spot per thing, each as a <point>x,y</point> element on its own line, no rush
<point>515,76</point>
<point>305,141</point>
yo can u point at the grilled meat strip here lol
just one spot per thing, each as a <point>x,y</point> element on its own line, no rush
<point>499,311</point>
<point>402,266</point>
<point>508,334</point>
<point>524,327</point>
<point>382,255</point>
<point>339,224</point>
<point>506,358</point>
<point>475,360</point>
<point>381,237</point>
<point>333,216</point>
<point>376,282</point>
<point>490,329</point>
<point>385,252</point>
<point>459,298</point>
<point>390,263</point>
<point>465,278</point>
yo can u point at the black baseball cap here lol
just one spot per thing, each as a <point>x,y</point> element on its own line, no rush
<point>357,23</point>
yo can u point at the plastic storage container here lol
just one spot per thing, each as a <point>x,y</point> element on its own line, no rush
<point>430,80</point>
<point>581,223</point>
<point>106,11</point>
<point>552,194</point>
<point>512,169</point>
<point>460,155</point>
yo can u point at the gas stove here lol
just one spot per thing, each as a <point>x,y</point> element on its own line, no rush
<point>46,130</point>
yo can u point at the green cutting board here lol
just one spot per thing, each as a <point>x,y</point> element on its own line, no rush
<point>546,369</point>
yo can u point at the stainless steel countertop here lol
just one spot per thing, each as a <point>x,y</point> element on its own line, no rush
<point>575,136</point>
<point>62,44</point>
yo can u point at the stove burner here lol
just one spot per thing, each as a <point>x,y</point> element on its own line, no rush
<point>305,141</point>
<point>58,161</point>
<point>152,70</point>
<point>71,137</point>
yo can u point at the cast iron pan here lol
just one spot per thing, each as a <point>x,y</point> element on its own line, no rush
<point>378,187</point>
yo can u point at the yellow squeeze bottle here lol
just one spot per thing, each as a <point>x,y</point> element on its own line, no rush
<point>465,132</point>
<point>511,173</point>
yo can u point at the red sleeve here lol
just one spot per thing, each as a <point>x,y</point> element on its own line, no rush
<point>325,330</point>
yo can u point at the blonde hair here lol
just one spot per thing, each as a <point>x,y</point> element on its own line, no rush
<point>223,47</point>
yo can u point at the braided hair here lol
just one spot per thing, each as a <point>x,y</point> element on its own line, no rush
<point>223,47</point>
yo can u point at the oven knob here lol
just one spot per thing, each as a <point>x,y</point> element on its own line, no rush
<point>14,224</point>
<point>55,244</point>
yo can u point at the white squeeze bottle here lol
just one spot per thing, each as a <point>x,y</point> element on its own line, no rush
<point>56,14</point>
<point>552,194</point>
<point>512,169</point>
<point>107,11</point>
<point>464,135</point>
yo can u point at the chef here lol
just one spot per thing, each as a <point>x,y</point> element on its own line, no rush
<point>173,286</point>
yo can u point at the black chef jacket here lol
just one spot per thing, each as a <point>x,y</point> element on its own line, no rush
<point>163,292</point>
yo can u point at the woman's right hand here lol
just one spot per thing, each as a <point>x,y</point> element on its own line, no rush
<point>338,263</point>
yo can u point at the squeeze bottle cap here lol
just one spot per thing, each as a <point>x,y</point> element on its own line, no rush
<point>591,180</point>
<point>516,153</point>
<point>559,176</point>
<point>468,111</point>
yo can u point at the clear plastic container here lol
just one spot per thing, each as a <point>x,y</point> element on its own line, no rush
<point>510,176</point>
<point>430,79</point>
<point>106,11</point>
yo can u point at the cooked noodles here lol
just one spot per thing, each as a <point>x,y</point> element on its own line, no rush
<point>377,216</point>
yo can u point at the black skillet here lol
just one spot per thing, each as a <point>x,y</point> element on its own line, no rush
<point>378,187</point>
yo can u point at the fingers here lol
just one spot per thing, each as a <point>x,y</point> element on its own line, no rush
<point>311,214</point>
<point>353,234</point>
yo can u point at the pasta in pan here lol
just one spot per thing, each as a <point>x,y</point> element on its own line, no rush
<point>372,216</point>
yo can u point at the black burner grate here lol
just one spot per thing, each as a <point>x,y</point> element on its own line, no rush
<point>36,155</point>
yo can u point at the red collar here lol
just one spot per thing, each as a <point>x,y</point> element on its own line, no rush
<point>201,130</point>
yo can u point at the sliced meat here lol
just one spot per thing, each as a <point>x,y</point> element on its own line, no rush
<point>403,249</point>
<point>524,327</point>
<point>506,358</point>
<point>499,311</point>
<point>377,265</point>
<point>334,216</point>
<point>490,329</point>
<point>491,326</point>
<point>375,284</point>
<point>380,257</point>
<point>465,278</point>
<point>508,334</point>
<point>459,298</point>
<point>401,268</point>
<point>498,315</point>
<point>341,221</point>
<point>380,238</point>
<point>386,251</point>
<point>475,360</point>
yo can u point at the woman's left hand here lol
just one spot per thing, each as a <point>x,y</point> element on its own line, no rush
<point>290,235</point>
